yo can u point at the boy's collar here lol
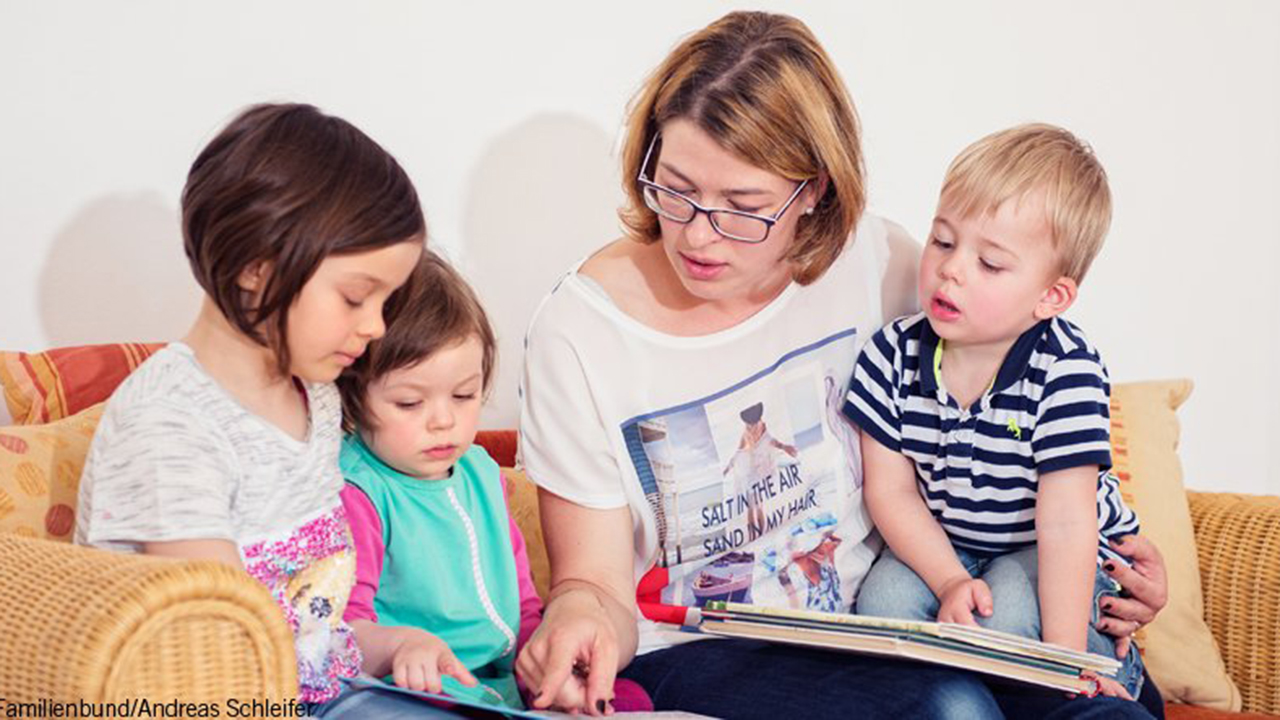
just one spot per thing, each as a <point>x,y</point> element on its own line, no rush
<point>1012,368</point>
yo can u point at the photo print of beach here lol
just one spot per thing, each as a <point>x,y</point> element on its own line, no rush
<point>767,458</point>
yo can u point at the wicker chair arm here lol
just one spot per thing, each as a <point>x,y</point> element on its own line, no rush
<point>88,625</point>
<point>1238,544</point>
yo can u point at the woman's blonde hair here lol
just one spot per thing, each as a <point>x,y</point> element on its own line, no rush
<point>765,90</point>
<point>1009,164</point>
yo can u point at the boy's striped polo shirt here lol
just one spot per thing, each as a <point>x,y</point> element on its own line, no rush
<point>978,467</point>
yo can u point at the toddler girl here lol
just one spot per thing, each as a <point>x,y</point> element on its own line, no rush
<point>444,596</point>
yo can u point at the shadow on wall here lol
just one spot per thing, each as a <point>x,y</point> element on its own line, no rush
<point>542,196</point>
<point>117,273</point>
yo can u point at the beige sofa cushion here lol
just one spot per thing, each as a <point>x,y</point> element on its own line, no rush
<point>1179,650</point>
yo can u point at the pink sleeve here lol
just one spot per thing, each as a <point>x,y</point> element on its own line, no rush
<point>530,603</point>
<point>366,531</point>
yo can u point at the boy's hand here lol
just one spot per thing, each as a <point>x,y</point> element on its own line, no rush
<point>961,597</point>
<point>1108,686</point>
<point>422,658</point>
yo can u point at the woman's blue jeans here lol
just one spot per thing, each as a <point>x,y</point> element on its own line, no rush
<point>749,679</point>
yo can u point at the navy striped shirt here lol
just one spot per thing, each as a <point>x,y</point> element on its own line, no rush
<point>978,467</point>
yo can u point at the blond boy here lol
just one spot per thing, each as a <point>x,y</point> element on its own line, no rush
<point>985,417</point>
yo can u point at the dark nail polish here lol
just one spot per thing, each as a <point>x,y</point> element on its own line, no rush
<point>1110,566</point>
<point>600,705</point>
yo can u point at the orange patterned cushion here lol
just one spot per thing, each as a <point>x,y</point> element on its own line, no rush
<point>40,474</point>
<point>48,386</point>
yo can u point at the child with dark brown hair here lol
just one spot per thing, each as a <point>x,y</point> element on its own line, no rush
<point>444,596</point>
<point>224,445</point>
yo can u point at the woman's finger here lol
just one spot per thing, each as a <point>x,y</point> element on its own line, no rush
<point>1116,628</point>
<point>1122,646</point>
<point>1128,609</point>
<point>1139,549</point>
<point>529,663</point>
<point>1146,581</point>
<point>600,676</point>
<point>557,670</point>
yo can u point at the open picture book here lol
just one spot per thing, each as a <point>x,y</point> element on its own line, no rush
<point>961,646</point>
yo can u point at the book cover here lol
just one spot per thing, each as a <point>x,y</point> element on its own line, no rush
<point>960,646</point>
<point>476,706</point>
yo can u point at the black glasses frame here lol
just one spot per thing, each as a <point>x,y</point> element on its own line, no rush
<point>768,220</point>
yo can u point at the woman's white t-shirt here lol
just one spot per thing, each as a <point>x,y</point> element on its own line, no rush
<point>614,413</point>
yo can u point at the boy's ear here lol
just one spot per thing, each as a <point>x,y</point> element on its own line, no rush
<point>253,278</point>
<point>1056,298</point>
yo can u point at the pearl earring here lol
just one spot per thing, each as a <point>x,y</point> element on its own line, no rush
<point>808,211</point>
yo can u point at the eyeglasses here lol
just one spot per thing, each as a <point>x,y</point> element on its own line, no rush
<point>734,224</point>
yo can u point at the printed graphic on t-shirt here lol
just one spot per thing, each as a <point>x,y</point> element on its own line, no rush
<point>755,488</point>
<point>310,574</point>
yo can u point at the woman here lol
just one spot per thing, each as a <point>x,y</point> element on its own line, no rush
<point>749,273</point>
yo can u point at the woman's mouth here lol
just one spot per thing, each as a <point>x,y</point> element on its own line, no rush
<point>702,268</point>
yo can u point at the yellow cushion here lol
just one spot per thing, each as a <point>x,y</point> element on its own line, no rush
<point>522,503</point>
<point>40,474</point>
<point>1179,650</point>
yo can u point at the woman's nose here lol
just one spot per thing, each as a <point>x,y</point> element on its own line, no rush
<point>700,232</point>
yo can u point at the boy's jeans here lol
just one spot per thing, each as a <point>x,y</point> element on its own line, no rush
<point>894,590</point>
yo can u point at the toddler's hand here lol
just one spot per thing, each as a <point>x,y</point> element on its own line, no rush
<point>422,658</point>
<point>961,597</point>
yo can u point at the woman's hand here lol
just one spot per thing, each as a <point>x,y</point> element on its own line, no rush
<point>589,628</point>
<point>572,658</point>
<point>1146,588</point>
<point>422,658</point>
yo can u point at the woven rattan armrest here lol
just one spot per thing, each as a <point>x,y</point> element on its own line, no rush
<point>79,624</point>
<point>1238,543</point>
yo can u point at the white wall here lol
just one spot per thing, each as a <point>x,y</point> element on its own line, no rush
<point>507,120</point>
